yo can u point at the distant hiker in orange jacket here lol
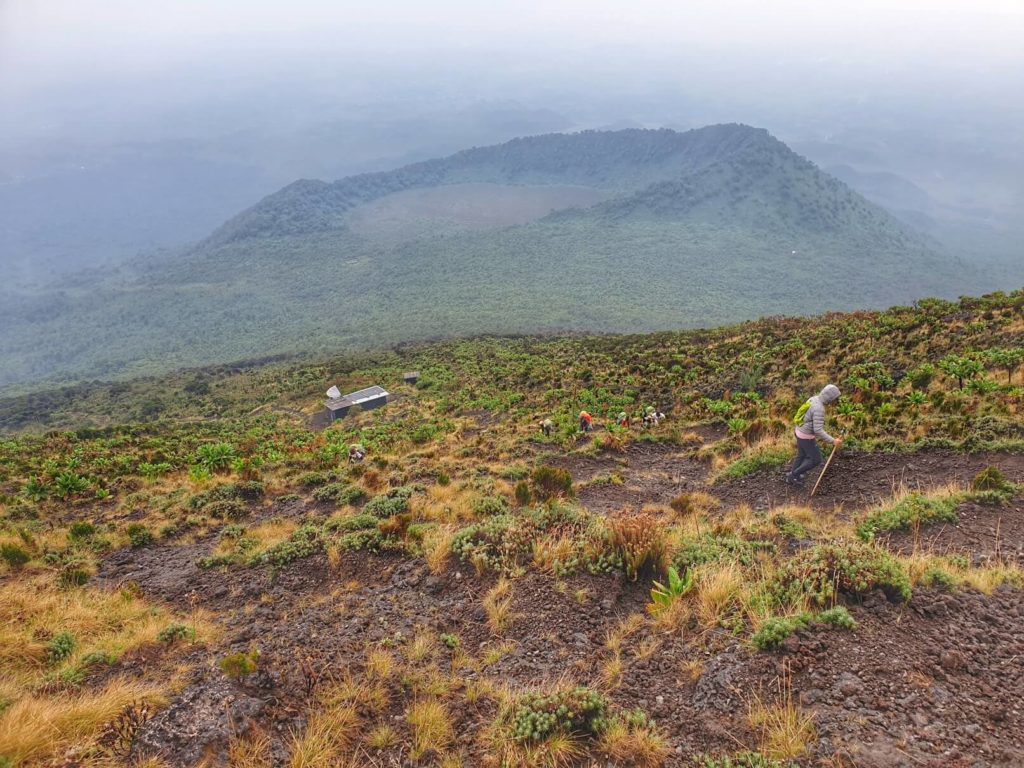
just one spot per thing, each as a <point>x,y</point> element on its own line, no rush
<point>586,421</point>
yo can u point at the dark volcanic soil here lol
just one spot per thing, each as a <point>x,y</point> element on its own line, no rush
<point>936,682</point>
<point>857,481</point>
<point>982,533</point>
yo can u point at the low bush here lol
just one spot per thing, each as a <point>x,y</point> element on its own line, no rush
<point>394,502</point>
<point>990,479</point>
<point>60,647</point>
<point>551,483</point>
<point>175,632</point>
<point>227,509</point>
<point>14,555</point>
<point>711,548</point>
<point>754,461</point>
<point>304,542</point>
<point>775,629</point>
<point>580,711</point>
<point>139,535</point>
<point>820,574</point>
<point>340,493</point>
<point>913,509</point>
<point>81,531</point>
<point>239,664</point>
<point>838,617</point>
<point>489,506</point>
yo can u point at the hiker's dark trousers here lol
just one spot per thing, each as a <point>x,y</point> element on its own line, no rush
<point>808,456</point>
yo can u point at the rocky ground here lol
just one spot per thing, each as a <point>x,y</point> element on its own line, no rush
<point>935,682</point>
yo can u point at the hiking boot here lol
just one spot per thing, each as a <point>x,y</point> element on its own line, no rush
<point>796,482</point>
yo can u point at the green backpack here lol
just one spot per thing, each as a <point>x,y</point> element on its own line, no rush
<point>798,420</point>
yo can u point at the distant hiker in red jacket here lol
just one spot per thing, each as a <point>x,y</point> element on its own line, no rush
<point>586,421</point>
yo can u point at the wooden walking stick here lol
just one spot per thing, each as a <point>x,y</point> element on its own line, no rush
<point>824,470</point>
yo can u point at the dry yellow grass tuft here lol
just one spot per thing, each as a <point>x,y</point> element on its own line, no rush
<point>785,730</point>
<point>498,605</point>
<point>431,727</point>
<point>327,738</point>
<point>642,747</point>
<point>37,727</point>
<point>717,586</point>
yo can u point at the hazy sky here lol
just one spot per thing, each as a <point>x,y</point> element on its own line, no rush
<point>48,42</point>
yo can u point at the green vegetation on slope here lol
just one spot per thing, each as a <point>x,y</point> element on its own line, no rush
<point>708,227</point>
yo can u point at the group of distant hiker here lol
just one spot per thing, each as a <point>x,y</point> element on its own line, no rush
<point>808,428</point>
<point>650,418</point>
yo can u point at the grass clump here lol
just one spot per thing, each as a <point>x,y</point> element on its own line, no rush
<point>839,617</point>
<point>991,479</point>
<point>14,555</point>
<point>818,575</point>
<point>911,510</point>
<point>139,535</point>
<point>760,457</point>
<point>640,541</point>
<point>549,483</point>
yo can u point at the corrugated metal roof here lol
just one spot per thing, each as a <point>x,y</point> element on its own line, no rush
<point>355,398</point>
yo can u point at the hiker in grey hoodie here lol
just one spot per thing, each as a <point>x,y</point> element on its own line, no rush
<point>812,427</point>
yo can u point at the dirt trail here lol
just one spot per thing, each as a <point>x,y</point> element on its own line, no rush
<point>642,474</point>
<point>857,481</point>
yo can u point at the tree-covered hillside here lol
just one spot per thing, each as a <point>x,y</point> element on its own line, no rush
<point>707,227</point>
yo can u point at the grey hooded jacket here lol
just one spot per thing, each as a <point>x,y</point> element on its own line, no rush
<point>814,418</point>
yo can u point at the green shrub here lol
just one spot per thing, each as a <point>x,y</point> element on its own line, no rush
<point>837,616</point>
<point>215,456</point>
<point>551,483</point>
<point>991,479</point>
<point>139,535</point>
<point>742,760</point>
<point>710,548</point>
<point>762,458</point>
<point>488,506</point>
<point>579,711</point>
<point>939,578</point>
<point>522,493</point>
<point>174,632</point>
<point>395,502</point>
<point>789,528</point>
<point>228,509</point>
<point>775,629</point>
<point>913,509</point>
<point>822,573</point>
<point>239,664</point>
<point>359,522</point>
<point>73,577</point>
<point>14,555</point>
<point>450,641</point>
<point>340,493</point>
<point>81,531</point>
<point>306,541</point>
<point>314,479</point>
<point>60,647</point>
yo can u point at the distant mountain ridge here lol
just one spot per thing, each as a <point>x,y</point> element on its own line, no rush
<point>625,161</point>
<point>624,231</point>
